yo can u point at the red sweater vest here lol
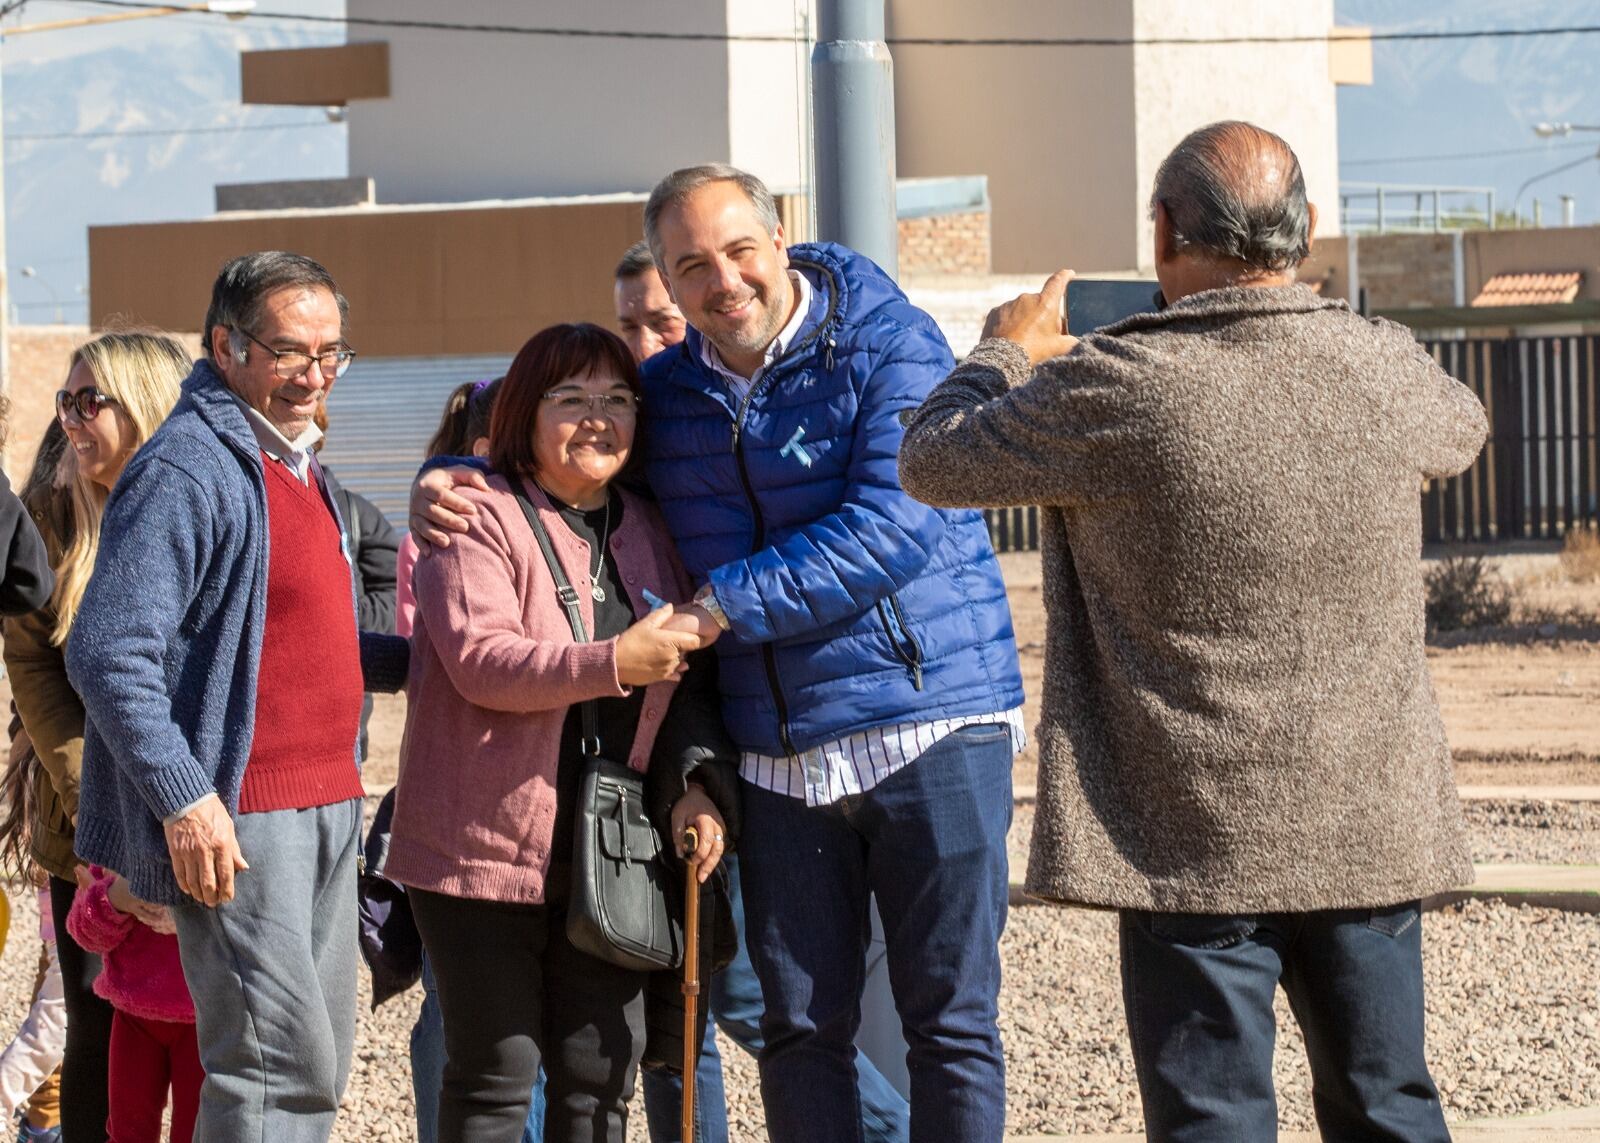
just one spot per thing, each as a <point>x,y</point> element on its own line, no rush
<point>308,694</point>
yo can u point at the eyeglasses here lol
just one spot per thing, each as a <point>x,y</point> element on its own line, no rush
<point>569,404</point>
<point>291,363</point>
<point>86,402</point>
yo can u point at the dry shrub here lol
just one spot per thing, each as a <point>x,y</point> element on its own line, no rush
<point>1580,554</point>
<point>1463,592</point>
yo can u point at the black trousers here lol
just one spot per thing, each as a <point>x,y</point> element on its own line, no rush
<point>84,1104</point>
<point>514,992</point>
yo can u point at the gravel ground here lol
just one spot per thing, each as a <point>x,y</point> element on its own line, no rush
<point>1542,833</point>
<point>1513,1017</point>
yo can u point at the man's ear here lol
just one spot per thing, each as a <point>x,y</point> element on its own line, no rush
<point>1163,235</point>
<point>220,347</point>
<point>781,242</point>
<point>1311,224</point>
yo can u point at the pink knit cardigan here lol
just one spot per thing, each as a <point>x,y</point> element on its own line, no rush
<point>494,669</point>
<point>140,972</point>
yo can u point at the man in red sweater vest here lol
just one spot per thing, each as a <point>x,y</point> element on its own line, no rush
<point>228,700</point>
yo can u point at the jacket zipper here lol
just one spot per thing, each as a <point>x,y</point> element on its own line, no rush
<point>769,657</point>
<point>905,645</point>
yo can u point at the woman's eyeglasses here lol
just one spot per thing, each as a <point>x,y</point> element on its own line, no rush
<point>86,402</point>
<point>570,404</point>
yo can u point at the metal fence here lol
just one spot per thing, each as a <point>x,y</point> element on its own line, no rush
<point>1539,473</point>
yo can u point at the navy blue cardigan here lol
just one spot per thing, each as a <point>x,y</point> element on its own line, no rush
<point>167,643</point>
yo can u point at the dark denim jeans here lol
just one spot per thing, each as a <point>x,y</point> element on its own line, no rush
<point>930,843</point>
<point>735,999</point>
<point>1198,993</point>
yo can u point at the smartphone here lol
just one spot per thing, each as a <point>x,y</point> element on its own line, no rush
<point>1093,303</point>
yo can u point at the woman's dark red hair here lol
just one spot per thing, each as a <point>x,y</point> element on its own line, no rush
<point>550,357</point>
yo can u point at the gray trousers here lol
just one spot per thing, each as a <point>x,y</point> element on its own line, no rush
<point>273,975</point>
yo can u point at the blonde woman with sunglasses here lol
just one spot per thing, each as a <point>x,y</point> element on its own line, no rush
<point>118,390</point>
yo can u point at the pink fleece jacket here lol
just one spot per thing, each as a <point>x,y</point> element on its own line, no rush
<point>494,670</point>
<point>140,972</point>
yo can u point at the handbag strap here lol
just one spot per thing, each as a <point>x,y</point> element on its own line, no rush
<point>569,602</point>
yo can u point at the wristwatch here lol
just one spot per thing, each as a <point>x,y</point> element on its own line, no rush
<point>707,599</point>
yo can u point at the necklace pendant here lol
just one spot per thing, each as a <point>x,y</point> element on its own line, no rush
<point>598,592</point>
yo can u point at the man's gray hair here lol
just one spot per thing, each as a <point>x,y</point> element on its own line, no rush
<point>244,284</point>
<point>1235,191</point>
<point>680,184</point>
<point>636,259</point>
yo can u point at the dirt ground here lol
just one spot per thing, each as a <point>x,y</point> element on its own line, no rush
<point>1519,707</point>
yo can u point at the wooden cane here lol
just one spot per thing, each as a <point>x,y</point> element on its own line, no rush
<point>691,987</point>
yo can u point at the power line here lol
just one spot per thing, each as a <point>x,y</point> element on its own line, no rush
<point>1559,147</point>
<point>893,41</point>
<point>142,133</point>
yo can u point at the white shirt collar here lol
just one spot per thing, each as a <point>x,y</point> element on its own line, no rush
<point>296,453</point>
<point>779,346</point>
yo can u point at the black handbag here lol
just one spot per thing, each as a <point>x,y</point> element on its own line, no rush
<point>623,908</point>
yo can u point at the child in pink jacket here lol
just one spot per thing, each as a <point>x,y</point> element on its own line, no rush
<point>153,1043</point>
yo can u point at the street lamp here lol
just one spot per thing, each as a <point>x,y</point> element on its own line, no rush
<point>1551,130</point>
<point>232,9</point>
<point>1516,203</point>
<point>55,298</point>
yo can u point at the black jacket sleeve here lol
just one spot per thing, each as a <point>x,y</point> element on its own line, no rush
<point>28,580</point>
<point>376,553</point>
<point>694,745</point>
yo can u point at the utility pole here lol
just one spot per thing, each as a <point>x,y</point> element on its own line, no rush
<point>852,80</point>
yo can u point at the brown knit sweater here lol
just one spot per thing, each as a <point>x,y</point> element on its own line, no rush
<point>1237,713</point>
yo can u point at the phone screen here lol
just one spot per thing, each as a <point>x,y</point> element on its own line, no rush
<point>1093,303</point>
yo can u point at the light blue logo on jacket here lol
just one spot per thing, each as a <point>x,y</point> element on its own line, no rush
<point>796,449</point>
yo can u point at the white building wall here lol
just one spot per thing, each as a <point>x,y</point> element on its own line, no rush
<point>509,116</point>
<point>1282,87</point>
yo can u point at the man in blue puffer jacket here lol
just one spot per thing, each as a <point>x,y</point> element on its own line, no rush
<point>868,668</point>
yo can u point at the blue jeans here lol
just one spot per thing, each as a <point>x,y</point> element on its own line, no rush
<point>1198,993</point>
<point>735,999</point>
<point>930,843</point>
<point>427,1068</point>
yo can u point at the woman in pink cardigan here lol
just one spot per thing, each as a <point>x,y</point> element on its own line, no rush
<point>153,1044</point>
<point>489,771</point>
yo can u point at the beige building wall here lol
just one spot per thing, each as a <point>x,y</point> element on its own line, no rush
<point>1286,88</point>
<point>1549,251</point>
<point>509,116</point>
<point>458,280</point>
<point>1052,128</point>
<point>1070,137</point>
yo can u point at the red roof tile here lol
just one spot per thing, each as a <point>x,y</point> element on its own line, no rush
<point>1529,289</point>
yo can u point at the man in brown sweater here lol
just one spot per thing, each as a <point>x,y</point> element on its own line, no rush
<point>1241,750</point>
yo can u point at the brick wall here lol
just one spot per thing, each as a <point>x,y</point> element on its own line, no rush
<point>39,357</point>
<point>945,244</point>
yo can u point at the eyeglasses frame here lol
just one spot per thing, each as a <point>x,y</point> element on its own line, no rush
<point>278,355</point>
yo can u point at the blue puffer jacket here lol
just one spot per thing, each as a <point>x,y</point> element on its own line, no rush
<point>852,605</point>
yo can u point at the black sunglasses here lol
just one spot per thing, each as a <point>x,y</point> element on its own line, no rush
<point>86,402</point>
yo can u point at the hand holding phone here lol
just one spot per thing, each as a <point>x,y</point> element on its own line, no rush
<point>1033,321</point>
